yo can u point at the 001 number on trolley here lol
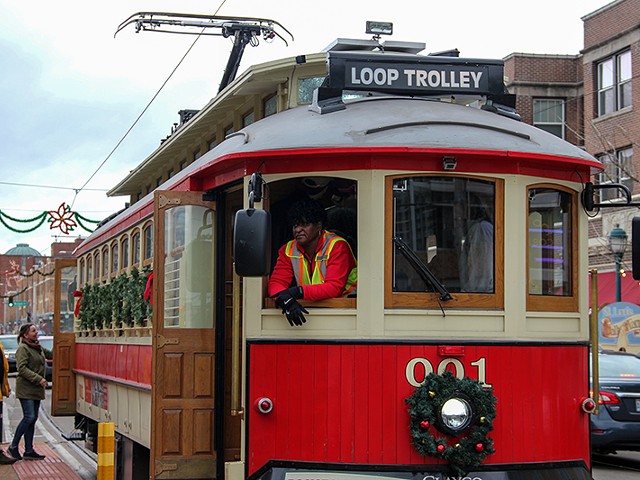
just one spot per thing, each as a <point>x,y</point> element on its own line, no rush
<point>458,369</point>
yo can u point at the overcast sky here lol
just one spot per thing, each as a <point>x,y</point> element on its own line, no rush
<point>70,90</point>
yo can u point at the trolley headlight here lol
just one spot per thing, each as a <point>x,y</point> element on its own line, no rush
<point>456,415</point>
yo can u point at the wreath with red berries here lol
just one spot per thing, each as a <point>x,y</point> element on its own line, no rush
<point>469,448</point>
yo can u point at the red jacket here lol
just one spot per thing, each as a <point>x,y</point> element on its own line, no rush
<point>340,264</point>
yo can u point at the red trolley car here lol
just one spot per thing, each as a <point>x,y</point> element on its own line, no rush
<point>464,354</point>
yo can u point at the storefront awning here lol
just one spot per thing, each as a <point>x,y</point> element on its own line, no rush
<point>629,288</point>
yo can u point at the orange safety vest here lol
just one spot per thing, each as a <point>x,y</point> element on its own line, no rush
<point>301,266</point>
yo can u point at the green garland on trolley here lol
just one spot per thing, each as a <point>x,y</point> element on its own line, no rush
<point>471,447</point>
<point>118,304</point>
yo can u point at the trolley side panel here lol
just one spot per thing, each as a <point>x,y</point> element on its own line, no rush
<point>346,403</point>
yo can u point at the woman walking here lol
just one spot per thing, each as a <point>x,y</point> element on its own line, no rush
<point>30,385</point>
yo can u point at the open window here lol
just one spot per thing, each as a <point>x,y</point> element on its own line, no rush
<point>338,196</point>
<point>452,228</point>
<point>551,249</point>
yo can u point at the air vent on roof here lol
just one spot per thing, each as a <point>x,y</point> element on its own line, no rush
<point>350,44</point>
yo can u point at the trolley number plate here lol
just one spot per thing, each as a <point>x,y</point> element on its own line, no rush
<point>637,404</point>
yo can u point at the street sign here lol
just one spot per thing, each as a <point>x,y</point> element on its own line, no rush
<point>21,303</point>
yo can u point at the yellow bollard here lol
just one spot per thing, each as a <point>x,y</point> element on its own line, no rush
<point>106,445</point>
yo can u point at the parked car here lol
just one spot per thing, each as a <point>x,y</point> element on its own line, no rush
<point>47,342</point>
<point>617,425</point>
<point>10,345</point>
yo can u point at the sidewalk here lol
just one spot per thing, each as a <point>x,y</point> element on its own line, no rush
<point>51,468</point>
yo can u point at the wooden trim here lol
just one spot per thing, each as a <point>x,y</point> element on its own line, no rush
<point>327,303</point>
<point>429,299</point>
<point>549,303</point>
<point>108,378</point>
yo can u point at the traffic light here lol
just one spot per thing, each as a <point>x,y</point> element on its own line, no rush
<point>11,301</point>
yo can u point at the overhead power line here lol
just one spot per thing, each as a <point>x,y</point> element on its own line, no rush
<point>15,184</point>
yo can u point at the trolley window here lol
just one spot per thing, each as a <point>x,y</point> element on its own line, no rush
<point>551,249</point>
<point>188,276</point>
<point>337,197</point>
<point>444,232</point>
<point>125,252</point>
<point>136,248</point>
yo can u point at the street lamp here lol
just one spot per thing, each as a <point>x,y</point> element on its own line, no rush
<point>617,246</point>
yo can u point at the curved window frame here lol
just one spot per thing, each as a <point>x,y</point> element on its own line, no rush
<point>104,262</point>
<point>147,244</point>
<point>430,300</point>
<point>115,258</point>
<point>96,267</point>
<point>125,260</point>
<point>557,303</point>
<point>82,272</point>
<point>136,247</point>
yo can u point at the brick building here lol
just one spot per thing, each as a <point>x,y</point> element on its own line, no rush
<point>22,282</point>
<point>588,99</point>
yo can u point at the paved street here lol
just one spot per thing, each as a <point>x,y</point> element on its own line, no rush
<point>48,441</point>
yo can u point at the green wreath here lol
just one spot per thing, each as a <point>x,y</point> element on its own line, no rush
<point>472,446</point>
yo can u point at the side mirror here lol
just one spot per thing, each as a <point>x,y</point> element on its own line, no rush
<point>252,242</point>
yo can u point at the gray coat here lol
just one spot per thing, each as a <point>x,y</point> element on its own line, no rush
<point>30,363</point>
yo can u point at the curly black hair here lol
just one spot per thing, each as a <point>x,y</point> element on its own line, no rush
<point>306,211</point>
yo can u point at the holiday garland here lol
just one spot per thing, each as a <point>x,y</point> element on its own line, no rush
<point>118,303</point>
<point>472,446</point>
<point>62,218</point>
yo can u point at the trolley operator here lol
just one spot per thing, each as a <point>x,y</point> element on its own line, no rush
<point>315,265</point>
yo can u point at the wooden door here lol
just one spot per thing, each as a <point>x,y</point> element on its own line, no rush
<point>183,421</point>
<point>63,398</point>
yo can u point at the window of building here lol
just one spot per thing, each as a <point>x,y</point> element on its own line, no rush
<point>444,228</point>
<point>124,245</point>
<point>548,115</point>
<point>248,118</point>
<point>228,130</point>
<point>551,249</point>
<point>306,87</point>
<point>197,154</point>
<point>136,248</point>
<point>148,242</point>
<point>270,105</point>
<point>212,143</point>
<point>171,173</point>
<point>614,83</point>
<point>618,168</point>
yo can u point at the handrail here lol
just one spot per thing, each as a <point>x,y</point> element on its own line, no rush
<point>236,338</point>
<point>593,332</point>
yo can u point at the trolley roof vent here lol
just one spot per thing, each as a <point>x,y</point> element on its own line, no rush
<point>351,44</point>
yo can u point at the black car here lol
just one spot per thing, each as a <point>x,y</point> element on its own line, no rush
<point>617,425</point>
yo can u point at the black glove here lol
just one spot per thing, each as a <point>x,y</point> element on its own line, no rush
<point>294,313</point>
<point>287,301</point>
<point>283,297</point>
